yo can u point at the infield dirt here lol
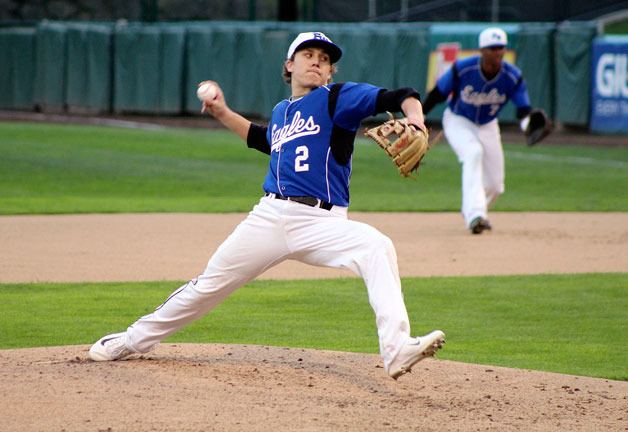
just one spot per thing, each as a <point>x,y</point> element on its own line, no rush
<point>189,387</point>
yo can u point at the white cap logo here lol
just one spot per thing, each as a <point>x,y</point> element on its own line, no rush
<point>317,39</point>
<point>493,36</point>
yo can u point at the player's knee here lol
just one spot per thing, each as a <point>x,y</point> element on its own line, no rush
<point>473,156</point>
<point>216,282</point>
<point>477,153</point>
<point>386,243</point>
<point>381,243</point>
<point>374,246</point>
<point>494,191</point>
<point>496,188</point>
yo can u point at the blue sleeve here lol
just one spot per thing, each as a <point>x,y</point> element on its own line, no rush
<point>445,83</point>
<point>355,103</point>
<point>520,96</point>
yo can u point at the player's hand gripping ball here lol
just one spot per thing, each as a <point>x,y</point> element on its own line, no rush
<point>206,92</point>
<point>405,145</point>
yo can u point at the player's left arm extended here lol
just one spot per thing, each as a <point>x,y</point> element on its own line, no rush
<point>405,140</point>
<point>522,101</point>
<point>404,99</point>
<point>413,110</point>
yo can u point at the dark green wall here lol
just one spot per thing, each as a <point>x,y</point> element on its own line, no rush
<point>154,68</point>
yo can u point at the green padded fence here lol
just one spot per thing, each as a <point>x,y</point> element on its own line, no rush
<point>51,60</point>
<point>573,76</point>
<point>148,68</point>
<point>136,69</point>
<point>17,68</point>
<point>369,55</point>
<point>198,64</point>
<point>89,78</point>
<point>411,51</point>
<point>249,60</point>
<point>154,68</point>
<point>211,55</point>
<point>535,53</point>
<point>172,68</point>
<point>269,75</point>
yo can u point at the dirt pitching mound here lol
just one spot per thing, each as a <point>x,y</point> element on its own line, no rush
<point>190,387</point>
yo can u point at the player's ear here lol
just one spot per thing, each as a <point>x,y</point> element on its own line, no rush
<point>330,76</point>
<point>288,64</point>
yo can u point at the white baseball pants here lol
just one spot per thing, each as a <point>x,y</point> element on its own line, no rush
<point>276,230</point>
<point>479,150</point>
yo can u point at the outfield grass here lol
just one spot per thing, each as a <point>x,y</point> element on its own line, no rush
<point>572,324</point>
<point>48,169</point>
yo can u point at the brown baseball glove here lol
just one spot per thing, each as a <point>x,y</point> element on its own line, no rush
<point>403,143</point>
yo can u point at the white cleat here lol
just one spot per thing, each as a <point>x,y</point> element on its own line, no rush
<point>414,351</point>
<point>110,347</point>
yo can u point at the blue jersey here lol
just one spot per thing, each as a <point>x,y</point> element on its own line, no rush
<point>478,99</point>
<point>299,133</point>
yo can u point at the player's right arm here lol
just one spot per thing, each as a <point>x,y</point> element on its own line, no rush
<point>444,86</point>
<point>218,108</point>
<point>254,135</point>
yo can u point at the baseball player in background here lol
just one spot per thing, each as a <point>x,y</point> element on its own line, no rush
<point>303,213</point>
<point>478,87</point>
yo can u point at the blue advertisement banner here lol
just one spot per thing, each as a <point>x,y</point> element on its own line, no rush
<point>609,86</point>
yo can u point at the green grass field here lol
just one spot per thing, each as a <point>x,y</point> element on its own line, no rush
<point>569,323</point>
<point>562,323</point>
<point>75,169</point>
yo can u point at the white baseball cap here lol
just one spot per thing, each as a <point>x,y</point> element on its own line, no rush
<point>317,39</point>
<point>493,36</point>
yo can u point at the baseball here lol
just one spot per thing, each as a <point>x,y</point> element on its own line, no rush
<point>206,92</point>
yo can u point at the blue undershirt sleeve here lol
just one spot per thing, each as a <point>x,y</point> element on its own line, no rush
<point>355,103</point>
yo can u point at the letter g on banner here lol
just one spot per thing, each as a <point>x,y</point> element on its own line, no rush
<point>610,75</point>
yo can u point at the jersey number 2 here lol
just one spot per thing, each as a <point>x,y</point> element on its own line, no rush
<point>299,162</point>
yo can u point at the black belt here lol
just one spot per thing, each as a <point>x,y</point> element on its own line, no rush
<point>307,200</point>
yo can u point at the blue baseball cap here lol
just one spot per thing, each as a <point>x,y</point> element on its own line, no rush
<point>315,39</point>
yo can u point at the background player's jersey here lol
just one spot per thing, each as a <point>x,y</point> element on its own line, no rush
<point>299,133</point>
<point>478,99</point>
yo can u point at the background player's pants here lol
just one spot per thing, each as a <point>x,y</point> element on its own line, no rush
<point>479,150</point>
<point>276,230</point>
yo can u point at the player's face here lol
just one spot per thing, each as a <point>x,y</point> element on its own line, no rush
<point>311,68</point>
<point>493,56</point>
